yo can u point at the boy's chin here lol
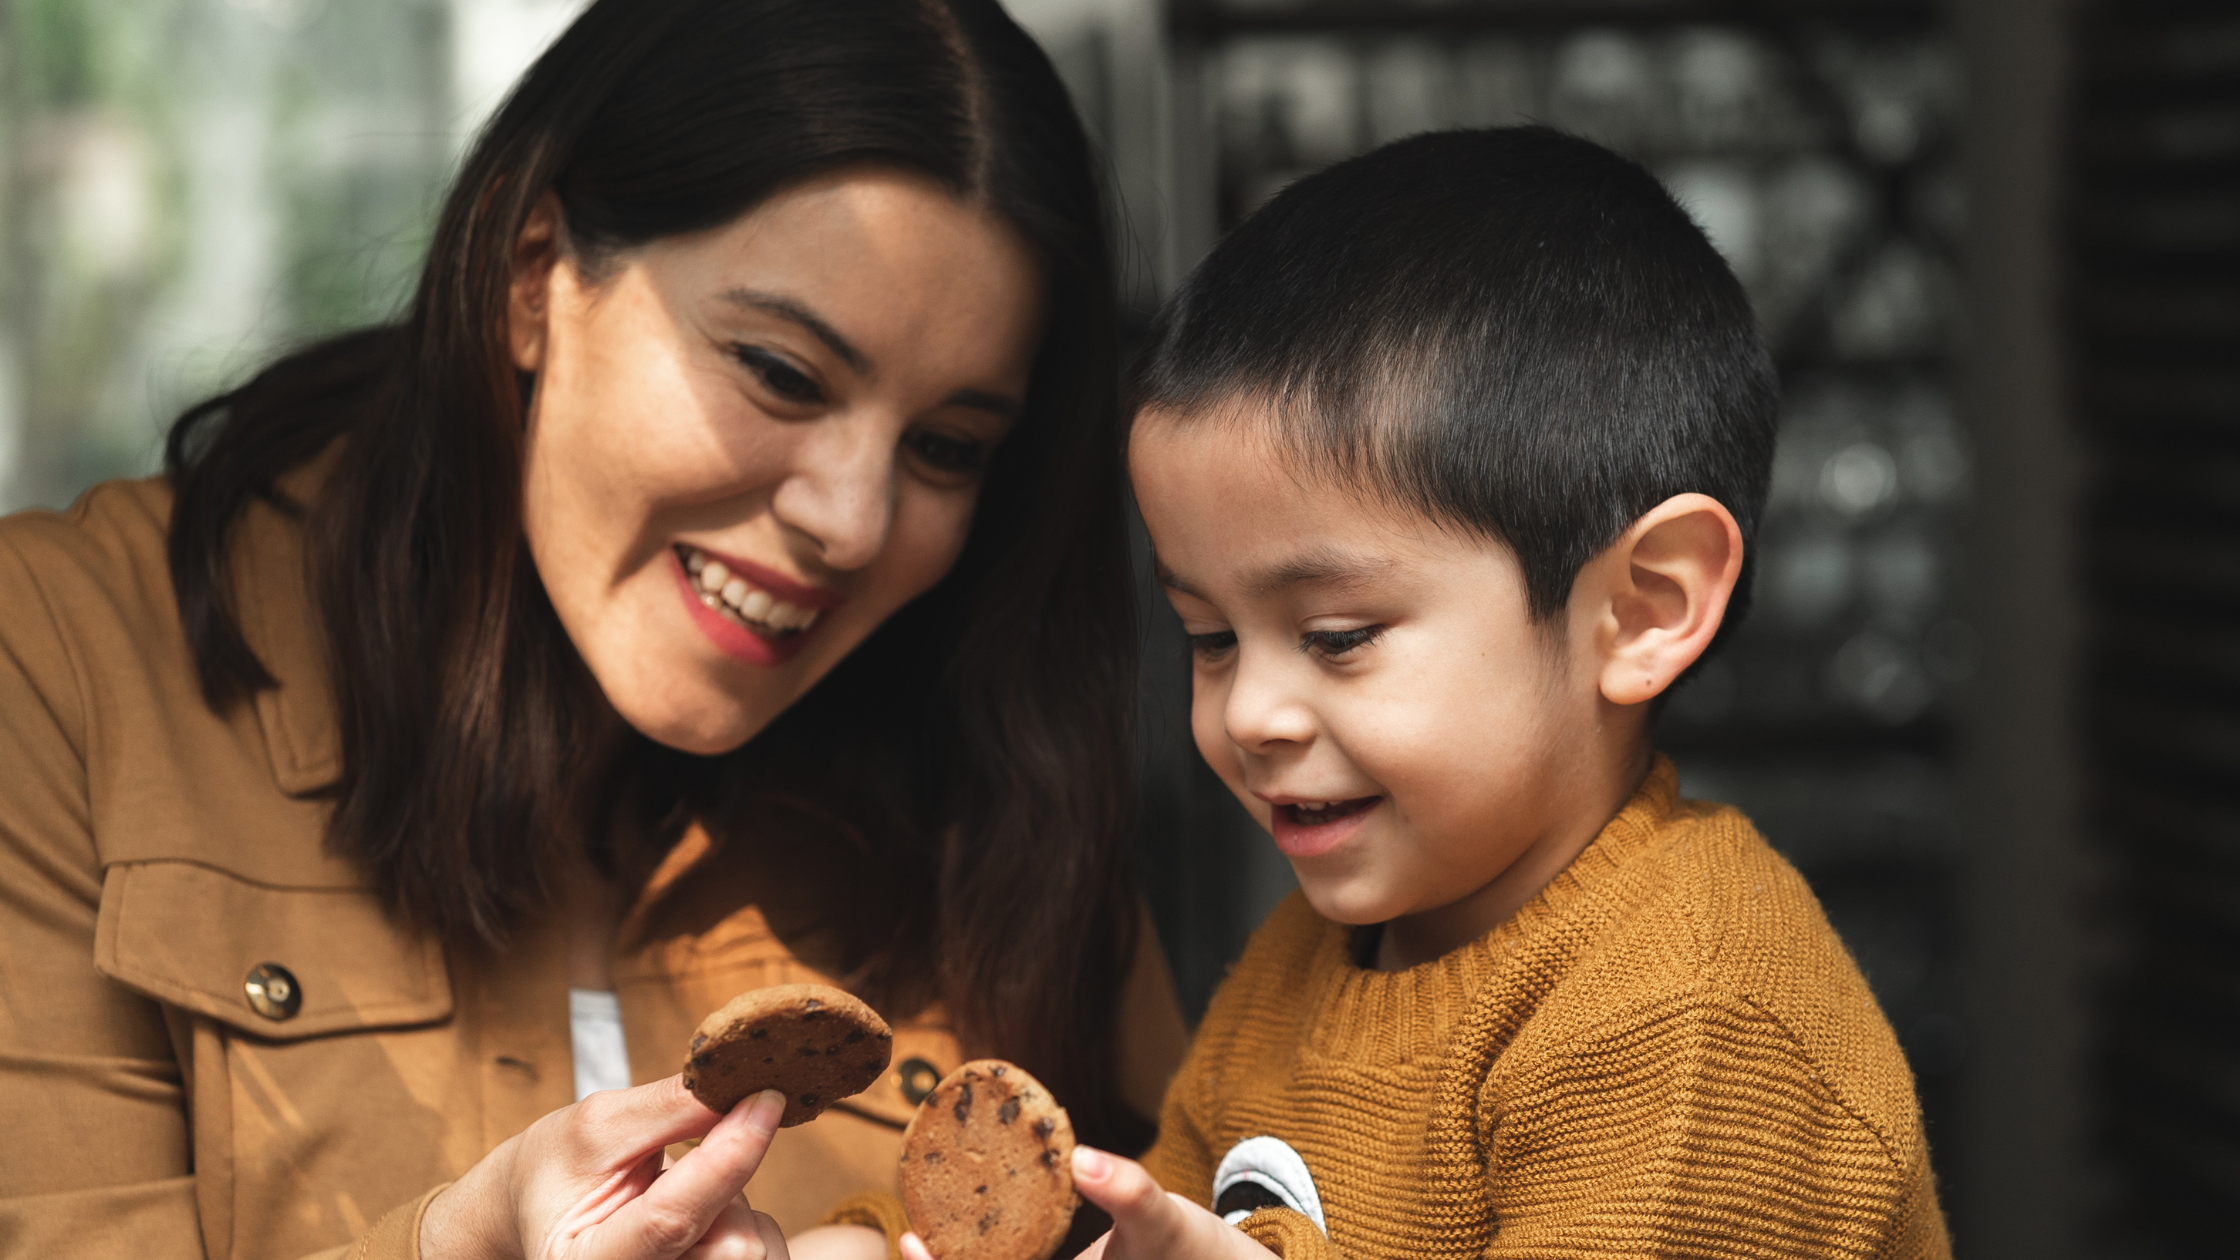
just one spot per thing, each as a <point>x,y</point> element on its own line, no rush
<point>1346,900</point>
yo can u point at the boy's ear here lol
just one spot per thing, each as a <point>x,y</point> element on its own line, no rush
<point>1663,589</point>
<point>529,301</point>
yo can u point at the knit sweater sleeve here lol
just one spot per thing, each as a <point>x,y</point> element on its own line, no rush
<point>1181,1160</point>
<point>1697,1128</point>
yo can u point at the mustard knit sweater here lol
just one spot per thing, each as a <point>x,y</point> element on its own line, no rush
<point>1666,1053</point>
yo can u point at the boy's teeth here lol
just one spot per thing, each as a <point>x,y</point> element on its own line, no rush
<point>726,591</point>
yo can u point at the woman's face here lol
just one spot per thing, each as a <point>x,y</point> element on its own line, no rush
<point>747,447</point>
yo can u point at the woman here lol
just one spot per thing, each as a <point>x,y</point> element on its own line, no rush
<point>716,580</point>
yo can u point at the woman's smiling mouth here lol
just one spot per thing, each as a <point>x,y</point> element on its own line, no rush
<point>753,614</point>
<point>739,598</point>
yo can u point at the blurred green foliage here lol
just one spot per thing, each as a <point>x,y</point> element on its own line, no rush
<point>187,187</point>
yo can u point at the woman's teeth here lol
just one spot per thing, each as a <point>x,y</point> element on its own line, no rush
<point>743,602</point>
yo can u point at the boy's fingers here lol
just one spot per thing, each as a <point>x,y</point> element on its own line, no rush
<point>1143,1217</point>
<point>914,1248</point>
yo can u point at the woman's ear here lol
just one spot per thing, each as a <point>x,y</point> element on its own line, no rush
<point>1664,586</point>
<point>529,301</point>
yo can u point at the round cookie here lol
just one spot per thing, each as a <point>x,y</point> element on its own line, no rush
<point>987,1166</point>
<point>813,1043</point>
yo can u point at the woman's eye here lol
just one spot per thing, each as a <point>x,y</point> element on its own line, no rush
<point>948,454</point>
<point>778,376</point>
<point>1207,647</point>
<point>1334,643</point>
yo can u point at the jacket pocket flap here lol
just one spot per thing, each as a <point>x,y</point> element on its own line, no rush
<point>190,935</point>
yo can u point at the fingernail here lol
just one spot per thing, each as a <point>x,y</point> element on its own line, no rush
<point>1091,1164</point>
<point>764,1112</point>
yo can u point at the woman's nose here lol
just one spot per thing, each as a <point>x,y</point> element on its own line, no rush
<point>1263,713</point>
<point>840,492</point>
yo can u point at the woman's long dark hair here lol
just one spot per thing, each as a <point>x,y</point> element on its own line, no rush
<point>976,747</point>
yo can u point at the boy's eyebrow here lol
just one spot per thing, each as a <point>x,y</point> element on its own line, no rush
<point>1320,567</point>
<point>1323,566</point>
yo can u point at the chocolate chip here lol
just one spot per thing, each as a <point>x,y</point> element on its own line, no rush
<point>981,1190</point>
<point>757,1034</point>
<point>698,1040</point>
<point>808,1100</point>
<point>986,1221</point>
<point>854,1037</point>
<point>964,1101</point>
<point>999,1069</point>
<point>811,1006</point>
<point>1008,1112</point>
<point>1044,1127</point>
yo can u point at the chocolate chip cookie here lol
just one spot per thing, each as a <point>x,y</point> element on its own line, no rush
<point>815,1044</point>
<point>987,1166</point>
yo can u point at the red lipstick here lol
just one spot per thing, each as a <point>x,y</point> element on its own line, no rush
<point>778,584</point>
<point>734,639</point>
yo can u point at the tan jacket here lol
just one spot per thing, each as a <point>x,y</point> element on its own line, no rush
<point>153,853</point>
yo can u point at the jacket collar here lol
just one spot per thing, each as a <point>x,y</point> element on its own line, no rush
<point>281,625</point>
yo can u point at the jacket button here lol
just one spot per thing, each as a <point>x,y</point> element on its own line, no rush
<point>917,1078</point>
<point>273,991</point>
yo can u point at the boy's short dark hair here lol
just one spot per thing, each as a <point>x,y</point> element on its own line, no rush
<point>1512,330</point>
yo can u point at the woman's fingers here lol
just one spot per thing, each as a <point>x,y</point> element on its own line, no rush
<point>682,1205</point>
<point>740,1233</point>
<point>628,1120</point>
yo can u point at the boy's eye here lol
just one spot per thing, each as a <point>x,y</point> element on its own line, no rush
<point>778,376</point>
<point>1333,643</point>
<point>946,453</point>
<point>1207,647</point>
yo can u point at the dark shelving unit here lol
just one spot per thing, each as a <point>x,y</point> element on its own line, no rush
<point>2154,326</point>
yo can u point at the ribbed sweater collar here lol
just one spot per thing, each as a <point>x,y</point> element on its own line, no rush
<point>1392,1017</point>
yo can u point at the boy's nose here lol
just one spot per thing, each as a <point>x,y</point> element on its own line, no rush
<point>1261,713</point>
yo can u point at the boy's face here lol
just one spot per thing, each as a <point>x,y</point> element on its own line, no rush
<point>1366,658</point>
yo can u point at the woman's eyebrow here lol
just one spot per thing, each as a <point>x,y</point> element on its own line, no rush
<point>795,312</point>
<point>1001,404</point>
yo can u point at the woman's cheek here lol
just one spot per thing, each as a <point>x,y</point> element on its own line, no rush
<point>929,534</point>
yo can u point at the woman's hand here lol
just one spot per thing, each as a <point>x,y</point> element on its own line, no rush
<point>587,1183</point>
<point>1147,1223</point>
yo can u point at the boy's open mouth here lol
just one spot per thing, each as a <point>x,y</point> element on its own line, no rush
<point>1326,811</point>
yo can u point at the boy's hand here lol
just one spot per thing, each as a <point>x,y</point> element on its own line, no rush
<point>1148,1223</point>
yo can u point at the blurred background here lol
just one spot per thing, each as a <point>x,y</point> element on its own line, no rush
<point>1989,700</point>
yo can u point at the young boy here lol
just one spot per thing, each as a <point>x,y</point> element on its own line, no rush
<point>1451,457</point>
